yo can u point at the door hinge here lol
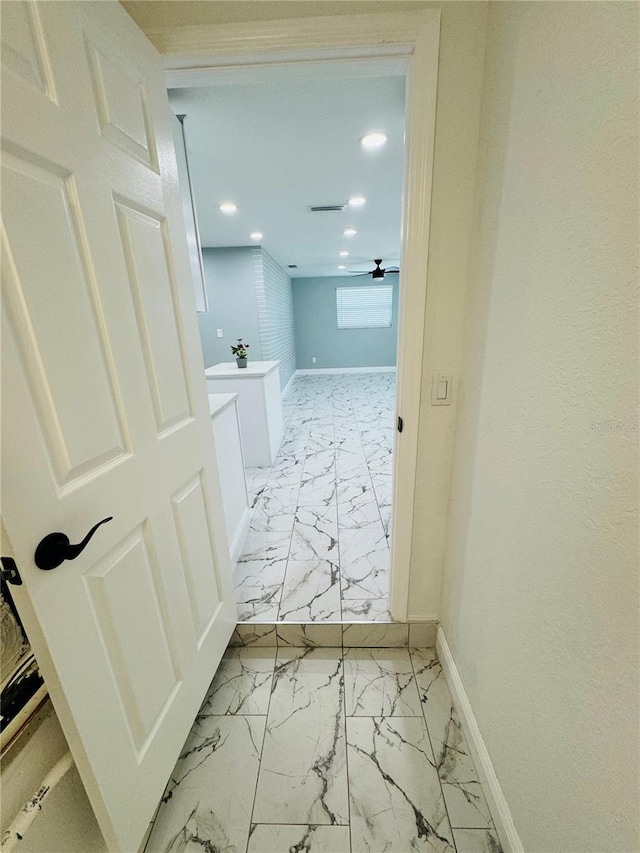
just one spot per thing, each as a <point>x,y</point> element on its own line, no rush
<point>399,424</point>
<point>9,571</point>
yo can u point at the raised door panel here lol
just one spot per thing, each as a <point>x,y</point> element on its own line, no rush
<point>196,547</point>
<point>65,346</point>
<point>125,590</point>
<point>25,55</point>
<point>146,250</point>
<point>121,101</point>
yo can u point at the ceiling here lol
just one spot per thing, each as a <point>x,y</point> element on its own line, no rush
<point>286,141</point>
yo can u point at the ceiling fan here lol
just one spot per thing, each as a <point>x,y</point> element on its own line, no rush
<point>378,272</point>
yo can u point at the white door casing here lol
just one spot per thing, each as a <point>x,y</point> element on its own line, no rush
<point>410,40</point>
<point>105,410</point>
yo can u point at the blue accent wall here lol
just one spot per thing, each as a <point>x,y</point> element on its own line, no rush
<point>317,333</point>
<point>231,295</point>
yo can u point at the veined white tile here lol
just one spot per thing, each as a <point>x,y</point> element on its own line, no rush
<point>321,439</point>
<point>350,453</point>
<point>311,592</point>
<point>255,635</point>
<point>242,683</point>
<point>255,476</point>
<point>207,803</point>
<point>364,562</point>
<point>274,838</point>
<point>465,800</point>
<point>385,515</point>
<point>320,463</point>
<point>279,500</point>
<point>263,606</point>
<point>303,776</point>
<point>318,491</point>
<point>266,545</point>
<point>252,573</point>
<point>355,486</point>
<point>366,610</point>
<point>315,534</point>
<point>376,635</point>
<point>477,841</point>
<point>263,520</point>
<point>380,683</point>
<point>287,472</point>
<point>357,508</point>
<point>383,487</point>
<point>396,801</point>
<point>309,635</point>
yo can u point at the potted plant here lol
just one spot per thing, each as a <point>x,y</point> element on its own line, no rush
<point>240,352</point>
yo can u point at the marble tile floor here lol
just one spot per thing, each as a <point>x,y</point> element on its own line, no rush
<point>325,750</point>
<point>318,544</point>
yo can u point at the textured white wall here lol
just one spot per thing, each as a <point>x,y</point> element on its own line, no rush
<point>541,576</point>
<point>274,299</point>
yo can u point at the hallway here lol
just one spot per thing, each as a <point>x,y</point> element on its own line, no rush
<point>325,750</point>
<point>318,545</point>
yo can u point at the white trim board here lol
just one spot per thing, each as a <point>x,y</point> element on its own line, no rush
<point>235,548</point>
<point>412,39</point>
<point>498,805</point>
<point>287,387</point>
<point>311,371</point>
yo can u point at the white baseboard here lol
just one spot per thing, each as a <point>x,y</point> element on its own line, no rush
<point>240,535</point>
<point>498,805</point>
<point>315,370</point>
<point>287,387</point>
<point>423,617</point>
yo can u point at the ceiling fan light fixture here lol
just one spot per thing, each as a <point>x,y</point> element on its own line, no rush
<point>375,139</point>
<point>228,207</point>
<point>357,201</point>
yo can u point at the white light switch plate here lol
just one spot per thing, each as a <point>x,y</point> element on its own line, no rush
<point>219,332</point>
<point>441,387</point>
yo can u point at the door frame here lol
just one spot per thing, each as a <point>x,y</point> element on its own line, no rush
<point>409,37</point>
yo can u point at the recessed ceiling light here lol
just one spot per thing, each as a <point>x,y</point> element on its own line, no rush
<point>228,207</point>
<point>256,235</point>
<point>349,232</point>
<point>343,254</point>
<point>357,201</point>
<point>341,267</point>
<point>373,140</point>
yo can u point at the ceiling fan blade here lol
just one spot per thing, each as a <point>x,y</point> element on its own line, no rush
<point>357,272</point>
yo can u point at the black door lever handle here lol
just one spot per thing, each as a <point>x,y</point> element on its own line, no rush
<point>55,548</point>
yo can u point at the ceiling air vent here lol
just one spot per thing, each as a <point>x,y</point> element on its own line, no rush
<point>325,208</point>
<point>293,266</point>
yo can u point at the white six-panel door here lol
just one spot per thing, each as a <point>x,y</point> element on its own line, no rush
<point>104,402</point>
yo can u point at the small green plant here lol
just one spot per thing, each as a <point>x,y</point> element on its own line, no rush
<point>240,349</point>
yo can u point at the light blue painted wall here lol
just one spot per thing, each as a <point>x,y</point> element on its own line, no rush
<point>229,279</point>
<point>317,333</point>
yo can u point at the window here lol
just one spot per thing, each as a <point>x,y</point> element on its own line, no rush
<point>364,307</point>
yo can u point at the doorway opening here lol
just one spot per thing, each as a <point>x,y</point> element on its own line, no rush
<point>311,279</point>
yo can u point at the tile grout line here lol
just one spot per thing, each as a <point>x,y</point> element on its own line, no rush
<point>264,737</point>
<point>426,725</point>
<point>346,745</point>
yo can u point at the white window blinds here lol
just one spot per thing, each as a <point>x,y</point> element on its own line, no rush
<point>364,307</point>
